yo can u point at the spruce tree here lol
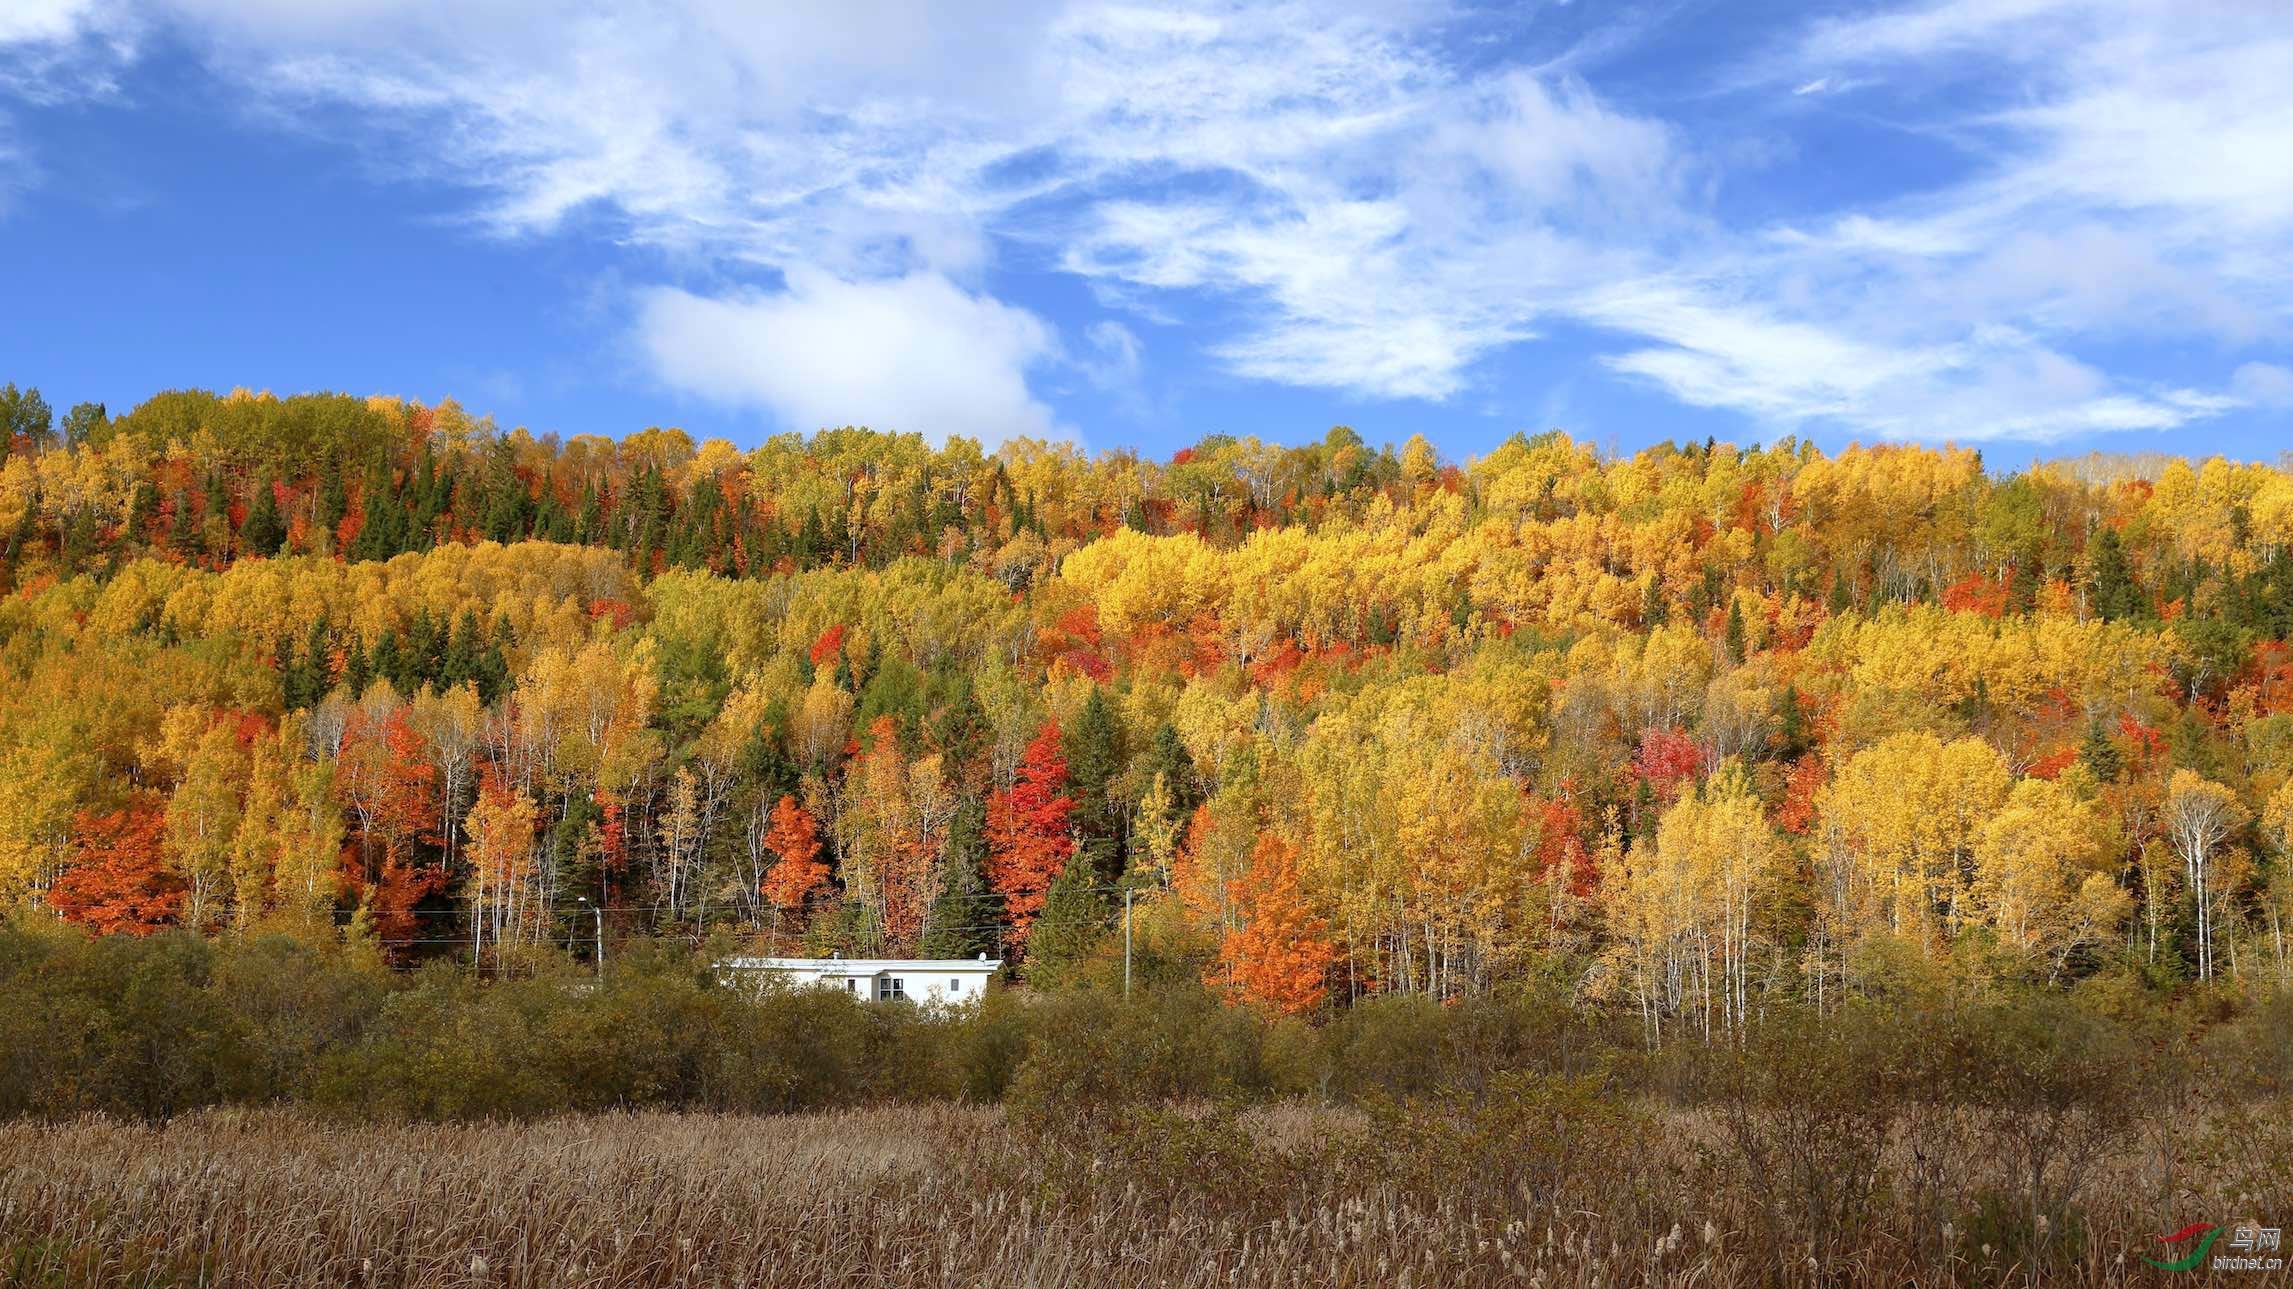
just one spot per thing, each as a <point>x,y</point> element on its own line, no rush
<point>1094,750</point>
<point>2100,756</point>
<point>388,660</point>
<point>459,665</point>
<point>1166,755</point>
<point>262,533</point>
<point>962,921</point>
<point>2110,579</point>
<point>357,673</point>
<point>1070,927</point>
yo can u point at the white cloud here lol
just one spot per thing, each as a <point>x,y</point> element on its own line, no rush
<point>44,21</point>
<point>1352,205</point>
<point>1113,363</point>
<point>2263,384</point>
<point>915,353</point>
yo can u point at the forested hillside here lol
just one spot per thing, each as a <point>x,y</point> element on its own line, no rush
<point>1682,732</point>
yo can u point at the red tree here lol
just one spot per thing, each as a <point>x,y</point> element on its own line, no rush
<point>1028,837</point>
<point>1280,955</point>
<point>386,777</point>
<point>796,840</point>
<point>1667,760</point>
<point>121,883</point>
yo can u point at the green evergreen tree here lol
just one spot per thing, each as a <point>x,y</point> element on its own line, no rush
<point>962,920</point>
<point>262,533</point>
<point>1070,927</point>
<point>2110,584</point>
<point>459,665</point>
<point>388,661</point>
<point>1735,632</point>
<point>2099,754</point>
<point>1167,756</point>
<point>1094,749</point>
<point>357,672</point>
<point>1842,599</point>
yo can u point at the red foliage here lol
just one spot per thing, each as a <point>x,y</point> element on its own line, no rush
<point>2053,764</point>
<point>1081,626</point>
<point>1028,837</point>
<point>618,613</point>
<point>829,645</point>
<point>2145,740</point>
<point>1276,663</point>
<point>391,895</point>
<point>1280,955</point>
<point>1668,759</point>
<point>386,777</point>
<point>1560,847</point>
<point>121,882</point>
<point>799,874</point>
<point>1976,594</point>
<point>1084,662</point>
<point>1797,813</point>
<point>612,834</point>
<point>1749,503</point>
<point>2273,675</point>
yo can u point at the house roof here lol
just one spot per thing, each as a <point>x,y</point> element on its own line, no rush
<point>864,966</point>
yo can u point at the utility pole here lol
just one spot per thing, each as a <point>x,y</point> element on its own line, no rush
<point>599,910</point>
<point>1126,942</point>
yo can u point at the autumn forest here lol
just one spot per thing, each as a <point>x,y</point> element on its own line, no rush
<point>1684,734</point>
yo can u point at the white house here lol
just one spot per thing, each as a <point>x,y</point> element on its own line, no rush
<point>929,982</point>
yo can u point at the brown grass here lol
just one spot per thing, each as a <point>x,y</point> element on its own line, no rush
<point>963,1196</point>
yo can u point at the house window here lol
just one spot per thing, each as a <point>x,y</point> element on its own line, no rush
<point>851,986</point>
<point>955,986</point>
<point>890,987</point>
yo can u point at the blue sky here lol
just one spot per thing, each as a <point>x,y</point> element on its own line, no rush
<point>2040,226</point>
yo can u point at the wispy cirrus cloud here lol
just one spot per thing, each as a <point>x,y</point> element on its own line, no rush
<point>1353,197</point>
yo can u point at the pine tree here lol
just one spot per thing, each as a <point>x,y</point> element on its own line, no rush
<point>1735,632</point>
<point>2101,756</point>
<point>1094,751</point>
<point>2110,579</point>
<point>262,533</point>
<point>1166,756</point>
<point>357,673</point>
<point>961,923</point>
<point>388,660</point>
<point>460,663</point>
<point>1654,610</point>
<point>1070,928</point>
<point>333,497</point>
<point>493,672</point>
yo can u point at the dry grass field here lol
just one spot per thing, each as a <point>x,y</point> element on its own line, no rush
<point>1567,1192</point>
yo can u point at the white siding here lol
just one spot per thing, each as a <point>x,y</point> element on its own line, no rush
<point>927,983</point>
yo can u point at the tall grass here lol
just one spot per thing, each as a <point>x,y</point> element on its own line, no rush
<point>176,1112</point>
<point>934,1196</point>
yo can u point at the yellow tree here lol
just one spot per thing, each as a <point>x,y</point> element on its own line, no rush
<point>204,809</point>
<point>1900,820</point>
<point>2200,818</point>
<point>502,869</point>
<point>1686,914</point>
<point>2042,874</point>
<point>307,873</point>
<point>255,847</point>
